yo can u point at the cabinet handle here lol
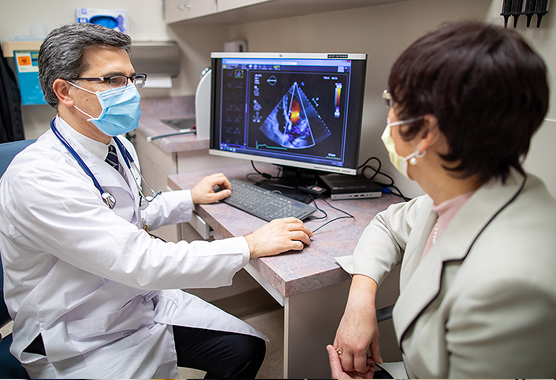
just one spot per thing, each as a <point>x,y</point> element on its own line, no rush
<point>184,4</point>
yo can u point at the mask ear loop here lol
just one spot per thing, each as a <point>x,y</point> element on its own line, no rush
<point>416,154</point>
<point>80,110</point>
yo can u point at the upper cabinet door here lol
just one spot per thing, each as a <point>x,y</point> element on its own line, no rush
<point>226,5</point>
<point>241,11</point>
<point>179,10</point>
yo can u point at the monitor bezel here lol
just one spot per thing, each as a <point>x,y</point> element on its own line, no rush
<point>350,169</point>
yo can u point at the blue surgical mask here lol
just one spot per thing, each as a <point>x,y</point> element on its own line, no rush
<point>120,110</point>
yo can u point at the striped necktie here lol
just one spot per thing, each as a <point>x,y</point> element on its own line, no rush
<point>112,157</point>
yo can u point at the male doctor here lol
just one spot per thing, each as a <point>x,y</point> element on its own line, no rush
<point>91,293</point>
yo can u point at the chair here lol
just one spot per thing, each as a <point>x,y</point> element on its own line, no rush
<point>9,150</point>
<point>384,313</point>
<point>10,367</point>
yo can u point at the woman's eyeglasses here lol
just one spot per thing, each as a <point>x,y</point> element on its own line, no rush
<point>388,99</point>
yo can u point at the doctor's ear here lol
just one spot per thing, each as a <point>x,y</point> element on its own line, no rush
<point>62,88</point>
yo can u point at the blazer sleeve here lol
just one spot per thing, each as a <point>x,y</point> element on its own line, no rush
<point>383,242</point>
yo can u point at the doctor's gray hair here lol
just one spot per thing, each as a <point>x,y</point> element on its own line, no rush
<point>61,53</point>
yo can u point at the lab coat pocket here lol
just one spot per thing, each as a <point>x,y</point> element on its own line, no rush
<point>97,331</point>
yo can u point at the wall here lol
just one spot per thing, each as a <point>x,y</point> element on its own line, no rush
<point>542,153</point>
<point>146,23</point>
<point>382,32</point>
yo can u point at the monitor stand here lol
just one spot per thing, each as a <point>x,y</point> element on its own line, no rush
<point>289,182</point>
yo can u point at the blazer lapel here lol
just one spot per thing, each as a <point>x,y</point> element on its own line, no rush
<point>423,279</point>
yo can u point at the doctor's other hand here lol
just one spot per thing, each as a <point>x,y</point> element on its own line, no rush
<point>337,372</point>
<point>278,236</point>
<point>203,192</point>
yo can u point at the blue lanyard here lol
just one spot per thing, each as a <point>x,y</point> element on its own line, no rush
<point>107,198</point>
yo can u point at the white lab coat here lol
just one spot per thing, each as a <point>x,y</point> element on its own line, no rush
<point>90,280</point>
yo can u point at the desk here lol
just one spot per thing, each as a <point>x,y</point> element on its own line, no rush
<point>310,285</point>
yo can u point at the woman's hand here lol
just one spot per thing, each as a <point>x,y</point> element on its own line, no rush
<point>337,371</point>
<point>358,330</point>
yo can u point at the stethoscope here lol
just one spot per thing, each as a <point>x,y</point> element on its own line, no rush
<point>108,198</point>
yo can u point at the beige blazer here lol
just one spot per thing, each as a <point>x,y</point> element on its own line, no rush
<point>482,303</point>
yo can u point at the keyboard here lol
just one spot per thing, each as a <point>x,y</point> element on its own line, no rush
<point>265,204</point>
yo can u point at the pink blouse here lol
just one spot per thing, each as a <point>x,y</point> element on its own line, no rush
<point>446,212</point>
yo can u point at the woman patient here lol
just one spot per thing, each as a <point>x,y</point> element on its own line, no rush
<point>477,252</point>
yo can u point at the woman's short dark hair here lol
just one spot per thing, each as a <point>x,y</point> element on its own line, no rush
<point>487,88</point>
<point>61,53</point>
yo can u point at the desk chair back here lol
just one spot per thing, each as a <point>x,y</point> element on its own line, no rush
<point>10,367</point>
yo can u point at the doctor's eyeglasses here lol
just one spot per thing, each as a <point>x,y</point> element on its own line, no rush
<point>119,81</point>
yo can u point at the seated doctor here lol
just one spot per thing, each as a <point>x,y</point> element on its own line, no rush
<point>477,285</point>
<point>91,293</point>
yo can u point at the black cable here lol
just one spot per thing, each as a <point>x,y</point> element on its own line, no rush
<point>385,186</point>
<point>265,175</point>
<point>398,194</point>
<point>365,166</point>
<point>318,208</point>
<point>348,216</point>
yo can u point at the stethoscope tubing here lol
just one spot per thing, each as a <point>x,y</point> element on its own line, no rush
<point>76,156</point>
<point>107,198</point>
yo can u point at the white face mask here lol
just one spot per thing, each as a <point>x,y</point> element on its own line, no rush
<point>399,162</point>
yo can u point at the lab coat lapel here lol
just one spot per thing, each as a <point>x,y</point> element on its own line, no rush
<point>424,279</point>
<point>133,192</point>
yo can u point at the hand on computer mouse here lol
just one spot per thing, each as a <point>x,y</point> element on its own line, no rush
<point>278,236</point>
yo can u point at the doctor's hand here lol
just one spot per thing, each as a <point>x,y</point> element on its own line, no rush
<point>278,236</point>
<point>203,192</point>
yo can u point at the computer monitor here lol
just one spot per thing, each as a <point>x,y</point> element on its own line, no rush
<point>300,110</point>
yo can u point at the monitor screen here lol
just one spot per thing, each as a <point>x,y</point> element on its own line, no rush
<point>292,109</point>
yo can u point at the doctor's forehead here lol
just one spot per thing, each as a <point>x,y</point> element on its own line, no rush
<point>105,60</point>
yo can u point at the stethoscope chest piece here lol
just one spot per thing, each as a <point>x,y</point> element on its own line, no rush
<point>109,200</point>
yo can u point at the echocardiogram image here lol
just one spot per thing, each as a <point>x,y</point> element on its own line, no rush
<point>294,123</point>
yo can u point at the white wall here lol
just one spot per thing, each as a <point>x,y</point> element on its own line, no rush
<point>382,32</point>
<point>146,23</point>
<point>542,155</point>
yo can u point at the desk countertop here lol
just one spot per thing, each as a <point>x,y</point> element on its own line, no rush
<point>293,272</point>
<point>155,109</point>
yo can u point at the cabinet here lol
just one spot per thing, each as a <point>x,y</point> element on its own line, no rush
<point>240,11</point>
<point>226,5</point>
<point>178,10</point>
